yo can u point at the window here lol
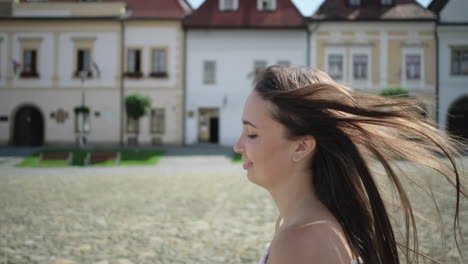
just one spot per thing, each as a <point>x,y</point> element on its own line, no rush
<point>83,62</point>
<point>386,2</point>
<point>158,120</point>
<point>209,72</point>
<point>133,125</point>
<point>266,5</point>
<point>259,66</point>
<point>413,66</point>
<point>133,63</point>
<point>159,62</point>
<point>29,63</point>
<point>354,2</point>
<point>459,61</point>
<point>228,5</point>
<point>284,63</point>
<point>335,66</point>
<point>83,58</point>
<point>360,66</point>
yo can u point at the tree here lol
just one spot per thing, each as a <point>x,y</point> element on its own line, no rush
<point>137,106</point>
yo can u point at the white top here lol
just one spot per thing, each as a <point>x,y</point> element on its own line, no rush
<point>264,258</point>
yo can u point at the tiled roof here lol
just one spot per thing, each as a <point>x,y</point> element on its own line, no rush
<point>373,10</point>
<point>155,9</point>
<point>208,15</point>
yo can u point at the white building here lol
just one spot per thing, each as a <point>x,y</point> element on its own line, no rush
<point>227,43</point>
<point>122,48</point>
<point>452,32</point>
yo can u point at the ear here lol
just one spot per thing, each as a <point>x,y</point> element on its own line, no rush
<point>304,147</point>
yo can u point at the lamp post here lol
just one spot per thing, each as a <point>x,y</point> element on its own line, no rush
<point>82,117</point>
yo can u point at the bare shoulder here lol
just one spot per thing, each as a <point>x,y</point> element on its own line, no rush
<point>318,243</point>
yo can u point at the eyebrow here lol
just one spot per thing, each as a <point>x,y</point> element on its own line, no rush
<point>245,122</point>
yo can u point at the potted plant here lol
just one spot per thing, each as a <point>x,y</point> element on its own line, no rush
<point>397,91</point>
<point>136,106</point>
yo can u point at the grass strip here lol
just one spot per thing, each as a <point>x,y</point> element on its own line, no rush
<point>236,157</point>
<point>128,157</point>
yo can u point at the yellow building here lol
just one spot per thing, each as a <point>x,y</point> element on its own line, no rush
<point>377,44</point>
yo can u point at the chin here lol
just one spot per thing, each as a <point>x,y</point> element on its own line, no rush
<point>253,179</point>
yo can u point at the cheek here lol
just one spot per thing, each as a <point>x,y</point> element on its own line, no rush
<point>270,158</point>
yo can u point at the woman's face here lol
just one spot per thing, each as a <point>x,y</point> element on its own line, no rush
<point>267,154</point>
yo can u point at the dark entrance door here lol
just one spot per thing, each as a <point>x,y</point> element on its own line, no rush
<point>214,130</point>
<point>458,118</point>
<point>29,127</point>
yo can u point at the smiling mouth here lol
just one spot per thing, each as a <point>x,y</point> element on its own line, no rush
<point>247,164</point>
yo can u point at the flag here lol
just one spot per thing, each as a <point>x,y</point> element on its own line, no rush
<point>96,68</point>
<point>16,66</point>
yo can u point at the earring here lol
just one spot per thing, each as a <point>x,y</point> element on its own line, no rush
<point>295,156</point>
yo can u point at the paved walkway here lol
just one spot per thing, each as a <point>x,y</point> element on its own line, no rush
<point>195,206</point>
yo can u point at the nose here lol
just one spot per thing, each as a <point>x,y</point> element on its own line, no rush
<point>238,147</point>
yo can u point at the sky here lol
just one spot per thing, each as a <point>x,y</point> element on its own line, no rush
<point>307,7</point>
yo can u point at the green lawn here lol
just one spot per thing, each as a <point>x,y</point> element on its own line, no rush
<point>127,157</point>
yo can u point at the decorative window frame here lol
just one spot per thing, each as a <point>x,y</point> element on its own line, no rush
<point>412,50</point>
<point>337,51</point>
<point>205,80</point>
<point>223,8</point>
<point>129,74</point>
<point>156,74</point>
<point>30,43</point>
<point>452,50</point>
<point>161,130</point>
<point>260,6</point>
<point>83,43</point>
<point>361,83</point>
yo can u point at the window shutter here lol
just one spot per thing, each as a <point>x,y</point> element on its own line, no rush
<point>137,61</point>
<point>80,60</point>
<point>33,61</point>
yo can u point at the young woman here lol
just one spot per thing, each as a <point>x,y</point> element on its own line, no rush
<point>310,143</point>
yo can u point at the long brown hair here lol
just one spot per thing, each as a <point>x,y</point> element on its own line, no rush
<point>351,130</point>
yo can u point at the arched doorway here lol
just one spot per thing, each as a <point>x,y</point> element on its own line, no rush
<point>457,120</point>
<point>28,127</point>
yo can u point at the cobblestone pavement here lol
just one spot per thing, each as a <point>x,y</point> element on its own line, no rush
<point>193,207</point>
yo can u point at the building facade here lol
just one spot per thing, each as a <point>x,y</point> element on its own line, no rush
<point>60,60</point>
<point>228,43</point>
<point>452,70</point>
<point>66,66</point>
<point>371,45</point>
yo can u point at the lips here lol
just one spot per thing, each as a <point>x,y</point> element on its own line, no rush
<point>247,164</point>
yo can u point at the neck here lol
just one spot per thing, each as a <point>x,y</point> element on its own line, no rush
<point>297,202</point>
